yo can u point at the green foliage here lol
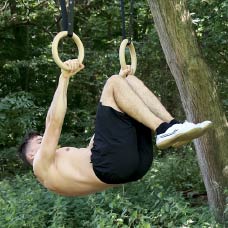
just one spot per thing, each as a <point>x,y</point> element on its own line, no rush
<point>210,22</point>
<point>10,166</point>
<point>27,29</point>
<point>155,201</point>
<point>17,114</point>
<point>28,77</point>
<point>226,209</point>
<point>181,168</point>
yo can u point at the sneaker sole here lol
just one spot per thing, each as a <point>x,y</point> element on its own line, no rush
<point>184,138</point>
<point>181,143</point>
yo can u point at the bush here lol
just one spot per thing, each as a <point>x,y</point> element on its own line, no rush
<point>154,201</point>
<point>180,170</point>
<point>37,207</point>
<point>18,113</point>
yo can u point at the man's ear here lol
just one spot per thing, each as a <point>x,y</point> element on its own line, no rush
<point>30,156</point>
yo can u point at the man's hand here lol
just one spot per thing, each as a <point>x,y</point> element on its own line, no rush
<point>126,72</point>
<point>74,66</point>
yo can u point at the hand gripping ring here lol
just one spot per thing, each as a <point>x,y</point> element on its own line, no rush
<point>55,53</point>
<point>123,64</point>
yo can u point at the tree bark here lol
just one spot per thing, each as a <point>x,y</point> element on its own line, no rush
<point>198,94</point>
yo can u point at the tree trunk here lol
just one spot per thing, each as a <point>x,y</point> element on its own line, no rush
<point>198,94</point>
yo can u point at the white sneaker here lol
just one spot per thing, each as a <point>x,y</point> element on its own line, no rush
<point>204,126</point>
<point>181,133</point>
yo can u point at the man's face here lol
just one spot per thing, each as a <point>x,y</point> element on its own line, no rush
<point>33,147</point>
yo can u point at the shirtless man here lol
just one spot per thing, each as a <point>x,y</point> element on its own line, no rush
<point>121,149</point>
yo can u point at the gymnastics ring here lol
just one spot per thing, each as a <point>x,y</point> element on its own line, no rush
<point>131,47</point>
<point>55,53</point>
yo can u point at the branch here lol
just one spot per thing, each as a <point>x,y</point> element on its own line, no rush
<point>3,8</point>
<point>56,22</point>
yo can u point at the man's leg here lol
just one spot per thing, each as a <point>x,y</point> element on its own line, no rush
<point>149,98</point>
<point>159,110</point>
<point>119,95</point>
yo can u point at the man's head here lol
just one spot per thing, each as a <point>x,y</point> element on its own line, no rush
<point>29,147</point>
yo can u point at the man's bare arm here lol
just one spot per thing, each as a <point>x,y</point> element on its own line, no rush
<point>75,68</point>
<point>54,122</point>
<point>59,101</point>
<point>55,117</point>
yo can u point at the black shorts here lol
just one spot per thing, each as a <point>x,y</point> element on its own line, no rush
<point>122,149</point>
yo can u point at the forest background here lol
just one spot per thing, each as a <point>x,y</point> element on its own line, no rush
<point>172,194</point>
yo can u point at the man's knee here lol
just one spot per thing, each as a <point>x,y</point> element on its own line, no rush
<point>133,79</point>
<point>114,79</point>
<point>107,96</point>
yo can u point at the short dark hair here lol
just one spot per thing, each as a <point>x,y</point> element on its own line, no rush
<point>22,150</point>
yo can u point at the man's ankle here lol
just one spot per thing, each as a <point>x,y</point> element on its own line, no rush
<point>162,128</point>
<point>173,121</point>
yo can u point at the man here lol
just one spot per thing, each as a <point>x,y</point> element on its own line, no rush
<point>119,152</point>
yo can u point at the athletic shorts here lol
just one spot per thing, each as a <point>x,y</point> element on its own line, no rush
<point>122,149</point>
